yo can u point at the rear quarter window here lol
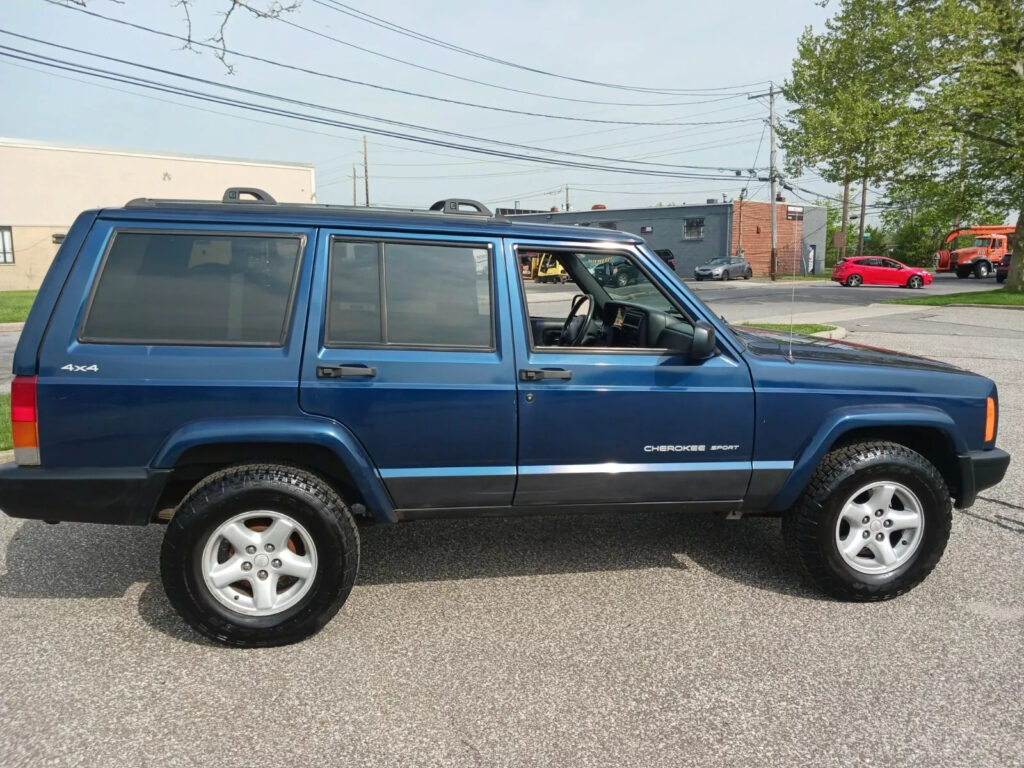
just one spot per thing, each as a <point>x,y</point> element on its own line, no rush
<point>194,288</point>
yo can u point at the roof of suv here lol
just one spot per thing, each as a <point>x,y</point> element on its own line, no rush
<point>354,217</point>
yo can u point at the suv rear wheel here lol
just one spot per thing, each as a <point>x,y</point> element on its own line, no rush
<point>872,523</point>
<point>260,555</point>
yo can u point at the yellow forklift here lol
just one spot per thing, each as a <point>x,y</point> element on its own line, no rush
<point>542,268</point>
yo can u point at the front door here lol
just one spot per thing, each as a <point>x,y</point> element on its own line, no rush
<point>406,348</point>
<point>608,412</point>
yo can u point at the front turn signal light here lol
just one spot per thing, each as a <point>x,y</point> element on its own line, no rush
<point>990,420</point>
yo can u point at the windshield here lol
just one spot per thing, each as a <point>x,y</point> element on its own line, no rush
<point>981,242</point>
<point>715,262</point>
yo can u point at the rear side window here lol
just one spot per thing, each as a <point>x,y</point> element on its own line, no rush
<point>410,295</point>
<point>194,288</point>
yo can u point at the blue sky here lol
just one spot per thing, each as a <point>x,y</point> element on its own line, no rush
<point>732,46</point>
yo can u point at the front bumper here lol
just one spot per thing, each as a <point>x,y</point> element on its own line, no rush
<point>980,470</point>
<point>121,495</point>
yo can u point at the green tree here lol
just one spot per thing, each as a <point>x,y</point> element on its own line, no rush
<point>951,75</point>
<point>850,104</point>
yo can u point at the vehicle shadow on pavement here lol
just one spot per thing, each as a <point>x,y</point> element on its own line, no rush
<point>78,560</point>
<point>746,551</point>
<point>88,561</point>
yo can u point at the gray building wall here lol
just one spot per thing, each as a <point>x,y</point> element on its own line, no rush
<point>666,225</point>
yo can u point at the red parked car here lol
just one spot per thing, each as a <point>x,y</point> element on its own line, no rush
<point>878,270</point>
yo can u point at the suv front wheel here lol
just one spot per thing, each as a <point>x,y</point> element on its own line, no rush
<point>260,555</point>
<point>872,523</point>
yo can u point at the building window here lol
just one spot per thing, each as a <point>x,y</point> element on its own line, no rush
<point>794,213</point>
<point>693,229</point>
<point>6,246</point>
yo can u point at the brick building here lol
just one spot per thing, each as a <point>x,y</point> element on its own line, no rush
<point>696,233</point>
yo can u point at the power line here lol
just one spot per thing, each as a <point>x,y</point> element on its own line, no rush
<point>298,102</point>
<point>377,86</point>
<point>465,79</point>
<point>355,13</point>
<point>134,80</point>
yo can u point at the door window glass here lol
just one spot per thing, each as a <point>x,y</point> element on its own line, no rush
<point>409,294</point>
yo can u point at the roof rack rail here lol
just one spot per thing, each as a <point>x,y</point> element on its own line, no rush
<point>461,206</point>
<point>234,195</point>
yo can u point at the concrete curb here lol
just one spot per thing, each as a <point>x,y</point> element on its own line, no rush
<point>11,327</point>
<point>975,306</point>
<point>835,334</point>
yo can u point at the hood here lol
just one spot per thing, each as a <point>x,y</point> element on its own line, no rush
<point>814,349</point>
<point>970,251</point>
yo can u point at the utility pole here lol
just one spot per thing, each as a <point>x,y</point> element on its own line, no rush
<point>567,197</point>
<point>773,264</point>
<point>846,219</point>
<point>354,203</point>
<point>366,173</point>
<point>739,229</point>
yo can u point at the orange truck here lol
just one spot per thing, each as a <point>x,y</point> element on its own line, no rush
<point>991,243</point>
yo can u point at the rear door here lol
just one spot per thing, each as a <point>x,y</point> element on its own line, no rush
<point>406,347</point>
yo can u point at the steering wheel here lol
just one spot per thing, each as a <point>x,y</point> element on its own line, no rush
<point>574,331</point>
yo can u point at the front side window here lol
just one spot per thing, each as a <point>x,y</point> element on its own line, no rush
<point>194,288</point>
<point>6,246</point>
<point>409,295</point>
<point>608,303</point>
<point>693,229</point>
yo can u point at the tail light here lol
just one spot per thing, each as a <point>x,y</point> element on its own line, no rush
<point>990,420</point>
<point>25,420</point>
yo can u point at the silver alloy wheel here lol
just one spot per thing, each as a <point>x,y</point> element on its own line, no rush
<point>259,563</point>
<point>880,528</point>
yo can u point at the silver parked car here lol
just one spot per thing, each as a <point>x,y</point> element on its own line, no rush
<point>724,268</point>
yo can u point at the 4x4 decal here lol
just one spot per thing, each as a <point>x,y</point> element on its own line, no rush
<point>81,368</point>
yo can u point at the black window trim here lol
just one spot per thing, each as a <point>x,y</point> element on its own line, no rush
<point>301,237</point>
<point>703,226</point>
<point>615,249</point>
<point>381,242</point>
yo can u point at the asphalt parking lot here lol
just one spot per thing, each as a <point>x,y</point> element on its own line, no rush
<point>647,640</point>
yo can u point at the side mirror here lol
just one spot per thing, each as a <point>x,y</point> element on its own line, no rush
<point>703,345</point>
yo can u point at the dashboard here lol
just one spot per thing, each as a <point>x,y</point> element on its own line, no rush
<point>636,327</point>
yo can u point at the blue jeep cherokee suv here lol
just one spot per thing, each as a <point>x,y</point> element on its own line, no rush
<point>261,376</point>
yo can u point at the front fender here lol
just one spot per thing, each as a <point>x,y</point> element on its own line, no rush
<point>309,430</point>
<point>842,421</point>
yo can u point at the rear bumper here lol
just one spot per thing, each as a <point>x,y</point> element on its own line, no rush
<point>122,496</point>
<point>980,470</point>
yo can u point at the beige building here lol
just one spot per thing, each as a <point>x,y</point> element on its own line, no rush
<point>45,186</point>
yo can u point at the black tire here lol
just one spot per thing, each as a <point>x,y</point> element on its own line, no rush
<point>810,527</point>
<point>699,279</point>
<point>748,275</point>
<point>963,273</point>
<point>915,281</point>
<point>854,281</point>
<point>1000,278</point>
<point>305,498</point>
<point>725,275</point>
<point>622,280</point>
<point>982,270</point>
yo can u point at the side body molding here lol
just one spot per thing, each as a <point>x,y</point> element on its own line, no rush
<point>310,430</point>
<point>843,420</point>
